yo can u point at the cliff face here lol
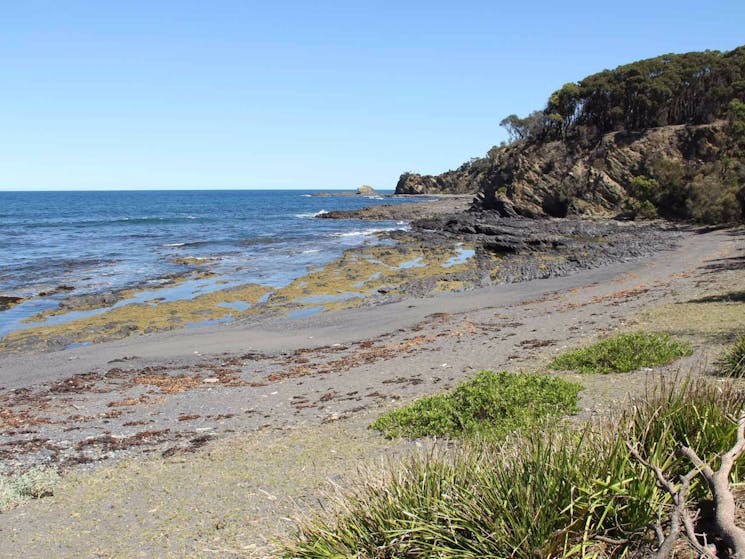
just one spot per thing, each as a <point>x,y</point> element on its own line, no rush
<point>557,179</point>
<point>560,179</point>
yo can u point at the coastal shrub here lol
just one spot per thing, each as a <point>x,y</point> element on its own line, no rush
<point>553,492</point>
<point>713,193</point>
<point>732,361</point>
<point>493,404</point>
<point>624,353</point>
<point>697,413</point>
<point>34,484</point>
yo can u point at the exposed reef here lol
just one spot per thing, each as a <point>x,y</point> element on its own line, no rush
<point>442,253</point>
<point>360,276</point>
<point>7,301</point>
<point>519,249</point>
<point>403,212</point>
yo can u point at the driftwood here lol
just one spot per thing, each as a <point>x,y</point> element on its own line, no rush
<point>681,520</point>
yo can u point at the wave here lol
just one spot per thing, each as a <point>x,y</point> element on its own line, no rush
<point>366,232</point>
<point>308,216</point>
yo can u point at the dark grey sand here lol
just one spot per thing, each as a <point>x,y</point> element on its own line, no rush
<point>203,442</point>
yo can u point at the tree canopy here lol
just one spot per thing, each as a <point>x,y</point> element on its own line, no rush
<point>690,88</point>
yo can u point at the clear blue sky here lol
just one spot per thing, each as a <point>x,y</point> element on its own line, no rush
<point>315,94</point>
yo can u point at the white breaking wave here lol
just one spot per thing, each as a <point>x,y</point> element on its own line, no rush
<point>367,232</point>
<point>308,216</point>
<point>170,245</point>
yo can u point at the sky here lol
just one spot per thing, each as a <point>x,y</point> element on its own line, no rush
<point>312,95</point>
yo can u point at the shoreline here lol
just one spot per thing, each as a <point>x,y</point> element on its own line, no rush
<point>111,255</point>
<point>195,295</point>
<point>169,402</point>
<point>441,253</point>
<point>178,350</point>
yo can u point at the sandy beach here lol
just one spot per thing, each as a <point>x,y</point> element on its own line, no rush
<point>209,441</point>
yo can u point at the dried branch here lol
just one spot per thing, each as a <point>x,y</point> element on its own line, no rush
<point>718,481</point>
<point>680,517</point>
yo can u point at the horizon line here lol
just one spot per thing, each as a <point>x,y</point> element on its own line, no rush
<point>176,189</point>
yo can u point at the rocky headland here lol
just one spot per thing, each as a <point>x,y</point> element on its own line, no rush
<point>560,179</point>
<point>647,139</point>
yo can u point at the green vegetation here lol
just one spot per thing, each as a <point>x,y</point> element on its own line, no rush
<point>34,484</point>
<point>624,353</point>
<point>690,88</point>
<point>556,493</point>
<point>732,362</point>
<point>710,191</point>
<point>736,121</point>
<point>492,404</point>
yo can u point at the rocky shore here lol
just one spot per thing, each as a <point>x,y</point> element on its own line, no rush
<point>405,212</point>
<point>445,249</point>
<point>192,432</point>
<point>512,249</point>
<point>517,249</point>
<point>98,402</point>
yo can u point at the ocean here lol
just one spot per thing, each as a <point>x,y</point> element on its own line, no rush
<point>95,242</point>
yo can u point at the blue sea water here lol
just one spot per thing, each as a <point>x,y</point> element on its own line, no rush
<point>105,241</point>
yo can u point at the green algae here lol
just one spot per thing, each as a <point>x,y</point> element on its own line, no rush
<point>346,282</point>
<point>365,271</point>
<point>118,296</point>
<point>136,318</point>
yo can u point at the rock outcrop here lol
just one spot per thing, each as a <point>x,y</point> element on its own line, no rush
<point>460,181</point>
<point>558,179</point>
<point>7,301</point>
<point>366,190</point>
<point>562,178</point>
<point>519,249</point>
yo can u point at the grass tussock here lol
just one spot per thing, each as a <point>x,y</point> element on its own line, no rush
<point>554,493</point>
<point>34,484</point>
<point>491,404</point>
<point>732,361</point>
<point>624,353</point>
